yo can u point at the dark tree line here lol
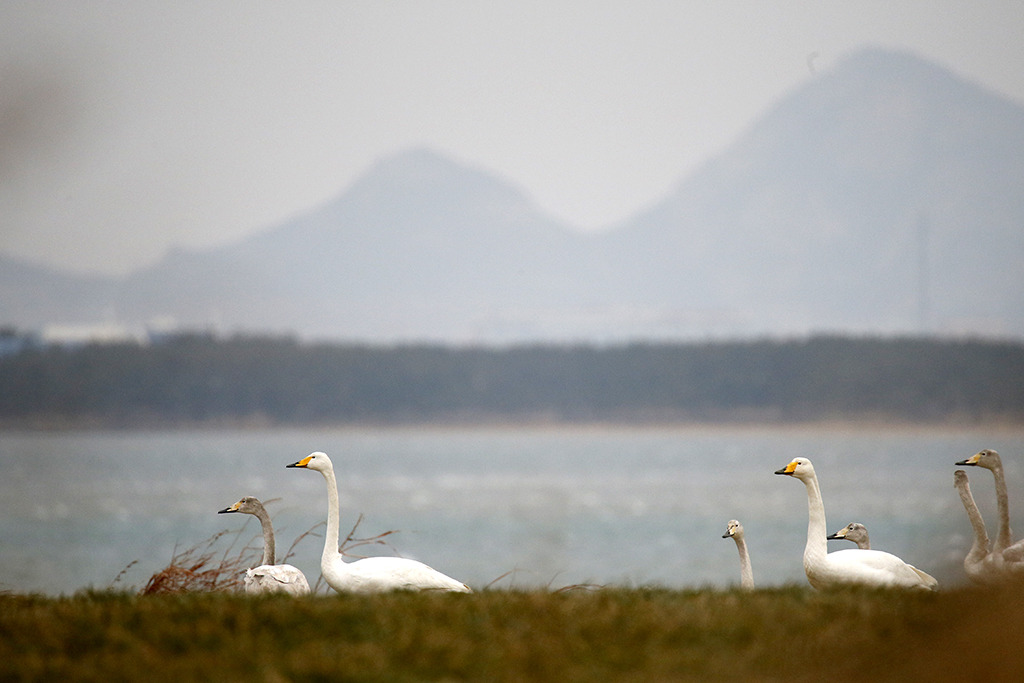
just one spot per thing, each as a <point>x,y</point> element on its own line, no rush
<point>200,378</point>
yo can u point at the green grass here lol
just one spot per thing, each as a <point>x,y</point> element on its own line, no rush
<point>790,633</point>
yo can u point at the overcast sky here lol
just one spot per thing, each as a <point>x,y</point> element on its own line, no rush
<point>129,127</point>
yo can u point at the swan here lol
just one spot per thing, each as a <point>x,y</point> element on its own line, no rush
<point>856,532</point>
<point>868,567</point>
<point>268,577</point>
<point>734,530</point>
<point>980,565</point>
<point>990,460</point>
<point>371,574</point>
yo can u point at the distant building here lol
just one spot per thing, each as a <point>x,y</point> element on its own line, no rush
<point>84,334</point>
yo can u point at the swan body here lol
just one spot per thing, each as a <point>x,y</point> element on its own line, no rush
<point>852,566</point>
<point>856,532</point>
<point>371,574</point>
<point>268,577</point>
<point>734,530</point>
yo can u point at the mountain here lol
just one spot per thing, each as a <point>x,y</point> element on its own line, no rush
<point>883,196</point>
<point>880,197</point>
<point>32,295</point>
<point>419,246</point>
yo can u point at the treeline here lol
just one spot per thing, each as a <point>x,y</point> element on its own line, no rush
<point>190,379</point>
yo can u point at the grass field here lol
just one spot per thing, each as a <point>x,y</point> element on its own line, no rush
<point>790,633</point>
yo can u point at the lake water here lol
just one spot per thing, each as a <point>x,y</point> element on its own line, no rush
<point>555,506</point>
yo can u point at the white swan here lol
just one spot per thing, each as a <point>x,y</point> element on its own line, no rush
<point>856,532</point>
<point>371,574</point>
<point>981,565</point>
<point>824,569</point>
<point>268,577</point>
<point>734,530</point>
<point>1004,545</point>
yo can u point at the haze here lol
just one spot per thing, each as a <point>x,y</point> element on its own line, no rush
<point>127,128</point>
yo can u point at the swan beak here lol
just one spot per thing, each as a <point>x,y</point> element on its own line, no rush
<point>726,534</point>
<point>233,508</point>
<point>302,463</point>
<point>788,469</point>
<point>836,535</point>
<point>973,460</point>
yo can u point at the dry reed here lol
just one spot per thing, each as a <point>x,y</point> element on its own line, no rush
<point>203,567</point>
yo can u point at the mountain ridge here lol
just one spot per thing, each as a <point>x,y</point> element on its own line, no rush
<point>866,200</point>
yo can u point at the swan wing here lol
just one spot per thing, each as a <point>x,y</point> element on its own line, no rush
<point>927,580</point>
<point>1011,563</point>
<point>276,578</point>
<point>875,567</point>
<point>1015,553</point>
<point>374,574</point>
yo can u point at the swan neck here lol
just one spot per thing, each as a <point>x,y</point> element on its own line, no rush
<point>333,522</point>
<point>1004,537</point>
<point>268,536</point>
<point>981,539</point>
<point>746,572</point>
<point>817,545</point>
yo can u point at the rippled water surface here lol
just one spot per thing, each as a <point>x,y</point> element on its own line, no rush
<point>552,505</point>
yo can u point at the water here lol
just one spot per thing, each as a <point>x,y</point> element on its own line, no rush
<point>538,506</point>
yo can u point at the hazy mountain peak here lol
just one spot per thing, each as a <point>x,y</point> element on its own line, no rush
<point>865,200</point>
<point>422,175</point>
<point>882,63</point>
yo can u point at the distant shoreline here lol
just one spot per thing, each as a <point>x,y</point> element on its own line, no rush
<point>64,425</point>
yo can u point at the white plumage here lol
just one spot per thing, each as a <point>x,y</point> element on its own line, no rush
<point>268,577</point>
<point>867,567</point>
<point>371,574</point>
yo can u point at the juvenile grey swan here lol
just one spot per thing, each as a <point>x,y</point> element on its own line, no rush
<point>981,565</point>
<point>734,530</point>
<point>268,577</point>
<point>1011,554</point>
<point>867,567</point>
<point>370,574</point>
<point>856,532</point>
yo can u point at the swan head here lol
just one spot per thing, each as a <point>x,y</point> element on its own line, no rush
<point>801,468</point>
<point>959,478</point>
<point>249,505</point>
<point>315,461</point>
<point>986,458</point>
<point>854,531</point>
<point>733,530</point>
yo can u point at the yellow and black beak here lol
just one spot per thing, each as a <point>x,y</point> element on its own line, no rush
<point>302,463</point>
<point>788,469</point>
<point>233,508</point>
<point>971,461</point>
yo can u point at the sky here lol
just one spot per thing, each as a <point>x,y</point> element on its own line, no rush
<point>128,128</point>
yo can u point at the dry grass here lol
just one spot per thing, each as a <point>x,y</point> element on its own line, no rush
<point>188,624</point>
<point>209,566</point>
<point>204,568</point>
<point>790,633</point>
